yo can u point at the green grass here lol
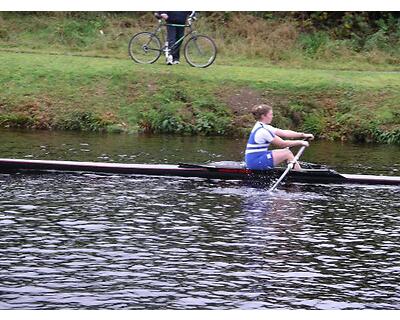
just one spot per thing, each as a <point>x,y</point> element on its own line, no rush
<point>84,93</point>
<point>242,40</point>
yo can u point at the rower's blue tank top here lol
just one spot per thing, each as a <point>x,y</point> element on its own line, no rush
<point>257,155</point>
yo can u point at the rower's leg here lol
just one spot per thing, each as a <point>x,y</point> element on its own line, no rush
<point>281,155</point>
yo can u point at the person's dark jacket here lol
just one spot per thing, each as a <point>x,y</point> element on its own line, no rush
<point>176,17</point>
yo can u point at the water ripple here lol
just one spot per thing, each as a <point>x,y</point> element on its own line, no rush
<point>93,241</point>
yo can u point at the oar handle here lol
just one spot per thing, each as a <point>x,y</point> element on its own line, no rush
<point>289,167</point>
<point>298,155</point>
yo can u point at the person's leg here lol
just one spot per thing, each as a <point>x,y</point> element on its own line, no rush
<point>281,155</point>
<point>171,38</point>
<point>179,32</point>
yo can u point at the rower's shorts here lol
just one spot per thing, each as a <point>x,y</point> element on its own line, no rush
<point>259,160</point>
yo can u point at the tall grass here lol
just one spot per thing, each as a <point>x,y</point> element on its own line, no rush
<point>242,38</point>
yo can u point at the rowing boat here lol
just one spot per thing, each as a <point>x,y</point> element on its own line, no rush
<point>228,170</point>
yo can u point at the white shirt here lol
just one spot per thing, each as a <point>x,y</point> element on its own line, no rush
<point>264,135</point>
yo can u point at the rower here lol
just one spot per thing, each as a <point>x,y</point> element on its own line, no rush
<point>257,155</point>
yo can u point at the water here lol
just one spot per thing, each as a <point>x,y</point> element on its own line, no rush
<point>93,241</point>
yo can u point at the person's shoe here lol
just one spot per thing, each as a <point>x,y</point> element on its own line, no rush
<point>176,62</point>
<point>169,60</point>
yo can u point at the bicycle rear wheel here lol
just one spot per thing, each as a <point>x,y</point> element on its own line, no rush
<point>144,47</point>
<point>200,51</point>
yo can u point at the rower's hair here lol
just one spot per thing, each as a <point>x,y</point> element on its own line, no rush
<point>260,109</point>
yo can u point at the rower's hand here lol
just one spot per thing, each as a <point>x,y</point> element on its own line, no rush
<point>304,143</point>
<point>308,136</point>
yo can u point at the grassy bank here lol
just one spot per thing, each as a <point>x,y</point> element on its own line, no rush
<point>81,93</point>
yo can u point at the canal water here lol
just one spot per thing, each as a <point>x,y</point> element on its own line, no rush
<point>93,241</point>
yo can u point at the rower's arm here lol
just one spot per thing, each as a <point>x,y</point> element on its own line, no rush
<point>293,134</point>
<point>280,143</point>
<point>289,134</point>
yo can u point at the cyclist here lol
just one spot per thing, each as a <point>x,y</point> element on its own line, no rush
<point>174,33</point>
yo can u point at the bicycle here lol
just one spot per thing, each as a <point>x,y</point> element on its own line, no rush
<point>199,50</point>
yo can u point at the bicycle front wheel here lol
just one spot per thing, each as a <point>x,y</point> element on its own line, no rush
<point>145,47</point>
<point>200,51</point>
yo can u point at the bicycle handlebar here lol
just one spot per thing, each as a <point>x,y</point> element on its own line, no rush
<point>162,22</point>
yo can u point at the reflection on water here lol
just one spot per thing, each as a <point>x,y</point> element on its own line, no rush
<point>126,242</point>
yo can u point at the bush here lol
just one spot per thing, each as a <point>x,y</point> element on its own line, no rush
<point>15,121</point>
<point>78,32</point>
<point>84,121</point>
<point>384,136</point>
<point>378,40</point>
<point>312,42</point>
<point>210,123</point>
<point>314,123</point>
<point>165,119</point>
<point>177,117</point>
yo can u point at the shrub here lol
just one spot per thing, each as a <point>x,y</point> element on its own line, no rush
<point>165,119</point>
<point>314,123</point>
<point>15,120</point>
<point>84,121</point>
<point>78,32</point>
<point>175,117</point>
<point>312,42</point>
<point>384,136</point>
<point>210,123</point>
<point>378,40</point>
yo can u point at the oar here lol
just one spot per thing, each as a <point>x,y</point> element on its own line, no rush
<point>289,167</point>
